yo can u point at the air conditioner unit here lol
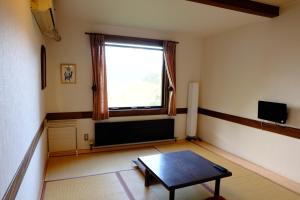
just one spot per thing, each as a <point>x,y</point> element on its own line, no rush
<point>43,12</point>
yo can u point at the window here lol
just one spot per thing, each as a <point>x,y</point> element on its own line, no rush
<point>135,76</point>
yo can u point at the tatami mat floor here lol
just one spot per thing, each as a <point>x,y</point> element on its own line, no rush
<point>94,163</point>
<point>112,176</point>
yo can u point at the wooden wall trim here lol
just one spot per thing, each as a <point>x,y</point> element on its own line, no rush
<point>246,6</point>
<point>113,113</point>
<point>69,115</point>
<point>283,130</point>
<point>16,182</point>
<point>181,110</point>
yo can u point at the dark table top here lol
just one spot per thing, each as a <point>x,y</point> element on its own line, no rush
<point>183,168</point>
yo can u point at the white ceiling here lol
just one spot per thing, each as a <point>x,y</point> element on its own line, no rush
<point>276,2</point>
<point>164,15</point>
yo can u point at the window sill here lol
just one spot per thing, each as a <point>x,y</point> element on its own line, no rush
<point>137,112</point>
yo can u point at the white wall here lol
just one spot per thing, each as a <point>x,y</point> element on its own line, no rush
<point>251,63</point>
<point>21,98</point>
<point>75,48</point>
<point>31,187</point>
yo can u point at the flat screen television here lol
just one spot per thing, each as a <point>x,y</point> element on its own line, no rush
<point>271,111</point>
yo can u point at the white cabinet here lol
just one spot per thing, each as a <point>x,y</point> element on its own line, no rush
<point>62,135</point>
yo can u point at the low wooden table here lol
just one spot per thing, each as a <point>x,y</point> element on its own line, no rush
<point>181,169</point>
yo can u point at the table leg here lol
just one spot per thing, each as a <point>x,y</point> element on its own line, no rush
<point>217,188</point>
<point>147,178</point>
<point>172,195</point>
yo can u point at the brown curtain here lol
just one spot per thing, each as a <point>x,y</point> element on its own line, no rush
<point>169,56</point>
<point>100,106</point>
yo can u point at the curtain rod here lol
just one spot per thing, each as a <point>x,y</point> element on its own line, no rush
<point>89,33</point>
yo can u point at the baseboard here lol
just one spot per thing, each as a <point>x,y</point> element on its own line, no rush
<point>281,180</point>
<point>42,192</point>
<point>62,153</point>
<point>112,148</point>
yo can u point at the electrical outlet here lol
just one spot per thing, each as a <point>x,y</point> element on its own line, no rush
<point>86,137</point>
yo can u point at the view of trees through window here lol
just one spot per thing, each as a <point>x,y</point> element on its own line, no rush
<point>134,75</point>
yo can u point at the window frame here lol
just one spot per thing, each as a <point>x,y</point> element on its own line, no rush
<point>134,111</point>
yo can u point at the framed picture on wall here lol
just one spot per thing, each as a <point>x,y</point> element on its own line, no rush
<point>68,73</point>
<point>43,67</point>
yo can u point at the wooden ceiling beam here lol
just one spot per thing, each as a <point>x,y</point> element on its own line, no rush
<point>246,6</point>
